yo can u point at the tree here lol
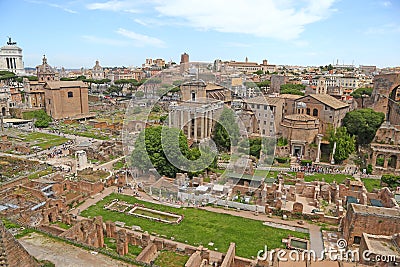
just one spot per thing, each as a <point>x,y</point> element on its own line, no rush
<point>121,83</point>
<point>149,151</point>
<point>345,144</point>
<point>42,120</point>
<point>293,89</point>
<point>358,93</point>
<point>259,72</point>
<point>265,83</point>
<point>154,143</point>
<point>363,123</point>
<point>226,131</point>
<point>139,94</point>
<point>391,180</point>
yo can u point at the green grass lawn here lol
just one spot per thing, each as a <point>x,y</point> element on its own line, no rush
<point>201,227</point>
<point>39,174</point>
<point>269,174</point>
<point>329,178</point>
<point>43,140</point>
<point>371,184</point>
<point>62,225</point>
<point>171,259</point>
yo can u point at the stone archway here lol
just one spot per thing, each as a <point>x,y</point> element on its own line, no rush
<point>393,111</point>
<point>380,160</point>
<point>392,161</point>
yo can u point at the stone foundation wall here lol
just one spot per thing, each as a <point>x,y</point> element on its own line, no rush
<point>148,254</point>
<point>12,252</point>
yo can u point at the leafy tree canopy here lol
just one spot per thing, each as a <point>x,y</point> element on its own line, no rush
<point>363,123</point>
<point>156,142</point>
<point>293,89</point>
<point>391,180</point>
<point>358,93</point>
<point>265,83</point>
<point>42,120</point>
<point>226,131</point>
<point>345,144</point>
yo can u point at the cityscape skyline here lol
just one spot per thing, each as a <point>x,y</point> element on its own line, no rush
<point>75,34</point>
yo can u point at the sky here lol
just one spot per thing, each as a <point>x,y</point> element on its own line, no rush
<point>75,34</point>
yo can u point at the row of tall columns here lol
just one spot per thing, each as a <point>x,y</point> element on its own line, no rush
<point>11,64</point>
<point>178,120</point>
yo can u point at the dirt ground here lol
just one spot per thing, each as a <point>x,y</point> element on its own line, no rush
<point>64,255</point>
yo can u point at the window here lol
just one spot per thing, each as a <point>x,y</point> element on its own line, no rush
<point>49,101</point>
<point>308,111</point>
<point>70,94</point>
<point>193,96</point>
<point>315,112</point>
<point>357,240</point>
<point>265,107</point>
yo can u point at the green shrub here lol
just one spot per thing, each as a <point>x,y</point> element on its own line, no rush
<point>282,141</point>
<point>282,160</point>
<point>42,119</point>
<point>304,162</point>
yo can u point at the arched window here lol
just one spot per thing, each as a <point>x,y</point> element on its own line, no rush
<point>70,94</point>
<point>380,160</point>
<point>315,112</point>
<point>392,161</point>
<point>308,111</point>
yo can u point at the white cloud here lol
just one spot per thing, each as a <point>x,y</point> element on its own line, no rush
<point>386,3</point>
<point>140,39</point>
<point>104,41</point>
<point>114,5</point>
<point>264,18</point>
<point>390,28</point>
<point>63,8</point>
<point>141,22</point>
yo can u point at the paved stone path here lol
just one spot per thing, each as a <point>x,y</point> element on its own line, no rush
<point>64,255</point>
<point>93,200</point>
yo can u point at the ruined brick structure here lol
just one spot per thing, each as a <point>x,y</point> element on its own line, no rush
<point>87,231</point>
<point>361,219</point>
<point>122,242</point>
<point>12,253</point>
<point>384,154</point>
<point>384,85</point>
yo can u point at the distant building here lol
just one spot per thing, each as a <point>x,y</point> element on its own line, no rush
<point>45,72</point>
<point>326,108</point>
<point>184,64</point>
<point>66,99</point>
<point>200,108</point>
<point>268,113</point>
<point>97,71</point>
<point>250,67</point>
<point>11,58</point>
<point>277,81</point>
<point>368,70</point>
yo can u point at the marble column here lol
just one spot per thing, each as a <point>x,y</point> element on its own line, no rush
<point>181,123</point>
<point>195,125</point>
<point>202,126</point>
<point>189,125</point>
<point>385,163</point>
<point>319,138</point>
